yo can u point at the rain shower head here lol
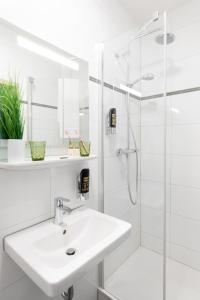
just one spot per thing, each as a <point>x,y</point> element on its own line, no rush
<point>170,38</point>
<point>140,33</point>
<point>147,77</point>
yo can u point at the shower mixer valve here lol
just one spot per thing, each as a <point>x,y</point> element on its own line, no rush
<point>126,151</point>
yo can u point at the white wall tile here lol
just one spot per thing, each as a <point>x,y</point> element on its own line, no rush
<point>117,202</point>
<point>186,256</point>
<point>23,289</point>
<point>117,100</point>
<point>64,182</point>
<point>152,112</point>
<point>152,195</point>
<point>24,195</point>
<point>185,201</point>
<point>85,289</point>
<point>183,74</point>
<point>185,232</point>
<point>116,197</point>
<point>152,139</point>
<point>113,142</point>
<point>154,243</point>
<point>184,139</point>
<point>185,108</point>
<point>152,222</point>
<point>115,172</point>
<point>152,167</point>
<point>185,170</point>
<point>184,15</point>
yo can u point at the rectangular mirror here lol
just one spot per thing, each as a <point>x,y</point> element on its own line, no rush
<point>54,85</point>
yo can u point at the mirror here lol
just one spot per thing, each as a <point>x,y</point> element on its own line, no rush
<point>54,85</point>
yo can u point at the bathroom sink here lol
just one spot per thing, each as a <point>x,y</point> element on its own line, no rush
<point>54,256</point>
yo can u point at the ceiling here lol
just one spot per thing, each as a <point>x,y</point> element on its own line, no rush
<point>142,10</point>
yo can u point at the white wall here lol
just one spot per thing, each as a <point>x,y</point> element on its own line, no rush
<point>27,197</point>
<point>183,148</point>
<point>73,25</point>
<point>116,197</point>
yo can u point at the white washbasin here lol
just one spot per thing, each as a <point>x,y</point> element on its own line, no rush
<point>41,250</point>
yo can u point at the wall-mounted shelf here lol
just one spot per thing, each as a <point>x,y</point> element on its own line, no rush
<point>49,162</point>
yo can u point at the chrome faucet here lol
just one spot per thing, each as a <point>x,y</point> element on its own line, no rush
<point>63,205</point>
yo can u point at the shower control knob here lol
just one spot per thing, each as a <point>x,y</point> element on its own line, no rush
<point>121,151</point>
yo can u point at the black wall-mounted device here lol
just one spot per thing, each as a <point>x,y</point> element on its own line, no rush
<point>112,121</point>
<point>84,183</point>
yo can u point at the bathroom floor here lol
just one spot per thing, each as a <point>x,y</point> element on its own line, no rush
<point>140,278</point>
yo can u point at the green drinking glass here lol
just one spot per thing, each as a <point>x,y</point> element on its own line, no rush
<point>84,148</point>
<point>37,150</point>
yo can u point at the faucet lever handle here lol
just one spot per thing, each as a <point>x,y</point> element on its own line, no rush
<point>60,201</point>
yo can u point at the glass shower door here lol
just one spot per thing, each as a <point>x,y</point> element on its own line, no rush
<point>135,159</point>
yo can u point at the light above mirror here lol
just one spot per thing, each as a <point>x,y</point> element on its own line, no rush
<point>45,52</point>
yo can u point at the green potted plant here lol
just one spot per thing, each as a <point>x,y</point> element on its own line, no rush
<point>11,119</point>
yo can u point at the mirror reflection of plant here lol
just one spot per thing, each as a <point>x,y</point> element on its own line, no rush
<point>11,112</point>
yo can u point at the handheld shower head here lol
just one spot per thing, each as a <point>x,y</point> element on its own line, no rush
<point>146,77</point>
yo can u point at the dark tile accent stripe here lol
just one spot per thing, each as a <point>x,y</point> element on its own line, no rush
<point>112,87</point>
<point>44,105</point>
<point>177,92</point>
<point>118,90</point>
<point>93,79</point>
<point>194,89</point>
<point>152,97</point>
<point>173,93</point>
<point>41,105</point>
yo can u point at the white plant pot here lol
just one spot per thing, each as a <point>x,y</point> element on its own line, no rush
<point>16,151</point>
<point>3,150</point>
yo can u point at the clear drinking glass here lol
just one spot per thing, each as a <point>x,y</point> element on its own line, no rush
<point>37,150</point>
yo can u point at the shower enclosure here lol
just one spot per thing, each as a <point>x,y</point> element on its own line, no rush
<point>150,166</point>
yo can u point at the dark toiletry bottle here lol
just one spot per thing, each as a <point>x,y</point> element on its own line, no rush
<point>112,120</point>
<point>84,183</point>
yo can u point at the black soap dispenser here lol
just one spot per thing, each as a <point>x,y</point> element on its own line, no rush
<point>112,121</point>
<point>84,183</point>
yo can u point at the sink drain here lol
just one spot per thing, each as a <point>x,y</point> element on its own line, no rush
<point>71,251</point>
